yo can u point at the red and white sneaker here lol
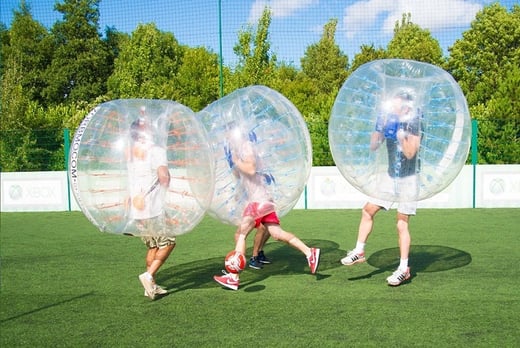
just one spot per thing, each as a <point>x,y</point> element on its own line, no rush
<point>314,259</point>
<point>229,280</point>
<point>398,277</point>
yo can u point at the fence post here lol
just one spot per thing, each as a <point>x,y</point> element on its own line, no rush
<point>66,145</point>
<point>474,156</point>
<point>221,75</point>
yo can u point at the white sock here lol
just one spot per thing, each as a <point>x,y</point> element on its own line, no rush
<point>403,265</point>
<point>149,276</point>
<point>360,247</point>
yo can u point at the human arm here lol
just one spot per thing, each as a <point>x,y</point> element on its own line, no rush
<point>163,175</point>
<point>376,139</point>
<point>245,160</point>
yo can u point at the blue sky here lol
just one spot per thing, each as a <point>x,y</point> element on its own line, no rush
<point>295,25</point>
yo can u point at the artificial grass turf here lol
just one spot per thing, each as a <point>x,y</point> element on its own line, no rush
<point>64,284</point>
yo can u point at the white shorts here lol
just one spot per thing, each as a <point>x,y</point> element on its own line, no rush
<point>405,189</point>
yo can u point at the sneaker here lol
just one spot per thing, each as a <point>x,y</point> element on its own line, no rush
<point>262,258</point>
<point>314,259</point>
<point>158,291</point>
<point>255,263</point>
<point>398,277</point>
<point>353,258</point>
<point>228,280</point>
<point>148,286</point>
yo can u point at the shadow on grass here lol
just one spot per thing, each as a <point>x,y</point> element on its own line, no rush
<point>423,258</point>
<point>285,261</point>
<point>59,303</point>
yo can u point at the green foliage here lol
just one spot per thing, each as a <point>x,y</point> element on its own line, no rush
<point>499,122</point>
<point>367,54</point>
<point>81,61</point>
<point>491,44</point>
<point>485,64</point>
<point>412,42</point>
<point>324,63</point>
<point>197,81</point>
<point>256,61</point>
<point>52,79</point>
<point>146,66</point>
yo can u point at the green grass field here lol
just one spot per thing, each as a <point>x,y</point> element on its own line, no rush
<point>64,284</point>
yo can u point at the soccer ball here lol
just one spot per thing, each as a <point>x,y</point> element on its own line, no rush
<point>235,262</point>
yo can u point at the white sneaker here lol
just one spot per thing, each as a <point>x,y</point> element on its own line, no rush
<point>352,258</point>
<point>158,291</point>
<point>148,286</point>
<point>398,277</point>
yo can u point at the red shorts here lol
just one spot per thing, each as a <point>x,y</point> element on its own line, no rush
<point>262,213</point>
<point>269,218</point>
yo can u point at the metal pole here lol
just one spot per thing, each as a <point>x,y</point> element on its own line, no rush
<point>66,144</point>
<point>221,75</point>
<point>474,156</point>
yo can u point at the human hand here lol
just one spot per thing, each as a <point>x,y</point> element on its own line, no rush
<point>402,134</point>
<point>391,129</point>
<point>269,178</point>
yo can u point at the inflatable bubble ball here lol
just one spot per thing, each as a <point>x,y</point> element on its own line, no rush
<point>142,167</point>
<point>280,138</point>
<point>400,130</point>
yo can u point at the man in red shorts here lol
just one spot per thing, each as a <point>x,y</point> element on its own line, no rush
<point>260,209</point>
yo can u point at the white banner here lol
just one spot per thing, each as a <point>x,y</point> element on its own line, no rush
<point>34,191</point>
<point>497,186</point>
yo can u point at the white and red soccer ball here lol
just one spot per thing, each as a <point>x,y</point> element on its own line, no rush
<point>235,262</point>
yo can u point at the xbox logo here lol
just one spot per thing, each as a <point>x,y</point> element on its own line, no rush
<point>15,192</point>
<point>497,186</point>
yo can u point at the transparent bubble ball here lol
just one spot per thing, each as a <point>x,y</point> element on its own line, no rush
<point>367,97</point>
<point>281,140</point>
<point>116,155</point>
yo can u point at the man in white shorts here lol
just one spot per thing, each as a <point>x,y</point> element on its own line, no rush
<point>149,179</point>
<point>400,130</point>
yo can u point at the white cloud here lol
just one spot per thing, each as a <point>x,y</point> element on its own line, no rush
<point>279,8</point>
<point>432,15</point>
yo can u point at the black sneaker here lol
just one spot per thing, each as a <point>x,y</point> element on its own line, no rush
<point>262,258</point>
<point>254,263</point>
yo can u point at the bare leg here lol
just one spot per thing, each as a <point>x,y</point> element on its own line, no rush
<point>404,235</point>
<point>277,233</point>
<point>243,230</point>
<point>261,237</point>
<point>156,257</point>
<point>367,221</point>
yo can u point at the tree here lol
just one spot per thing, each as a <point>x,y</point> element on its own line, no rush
<point>197,81</point>
<point>81,62</point>
<point>479,59</point>
<point>256,63</point>
<point>324,62</point>
<point>485,64</point>
<point>324,70</point>
<point>499,121</point>
<point>368,53</point>
<point>4,41</point>
<point>26,55</point>
<point>412,42</point>
<point>147,65</point>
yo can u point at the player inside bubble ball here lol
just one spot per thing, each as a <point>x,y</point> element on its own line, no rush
<point>260,209</point>
<point>399,128</point>
<point>148,180</point>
